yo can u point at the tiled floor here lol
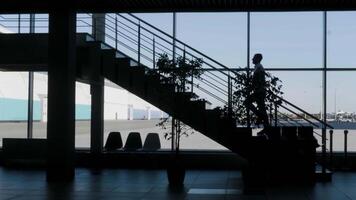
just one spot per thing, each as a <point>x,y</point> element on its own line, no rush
<point>152,184</point>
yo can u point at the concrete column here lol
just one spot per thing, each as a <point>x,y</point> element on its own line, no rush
<point>97,118</point>
<point>97,93</point>
<point>61,96</point>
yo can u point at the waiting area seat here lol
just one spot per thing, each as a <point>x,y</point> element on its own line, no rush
<point>133,142</point>
<point>152,142</point>
<point>113,142</point>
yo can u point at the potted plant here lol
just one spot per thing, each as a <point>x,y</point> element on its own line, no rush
<point>177,72</point>
<point>175,168</point>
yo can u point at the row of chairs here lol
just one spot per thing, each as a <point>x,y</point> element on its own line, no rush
<point>133,142</point>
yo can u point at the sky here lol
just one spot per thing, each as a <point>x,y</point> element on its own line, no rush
<point>286,39</point>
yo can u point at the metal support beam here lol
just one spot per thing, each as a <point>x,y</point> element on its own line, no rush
<point>248,112</point>
<point>324,92</point>
<point>30,88</point>
<point>61,96</point>
<point>174,35</point>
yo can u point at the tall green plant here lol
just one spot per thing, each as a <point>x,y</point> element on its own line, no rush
<point>242,96</point>
<point>180,70</point>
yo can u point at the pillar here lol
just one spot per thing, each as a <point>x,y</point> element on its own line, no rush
<point>61,96</point>
<point>97,94</point>
<point>97,118</point>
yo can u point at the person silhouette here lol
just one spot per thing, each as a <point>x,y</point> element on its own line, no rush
<point>258,93</point>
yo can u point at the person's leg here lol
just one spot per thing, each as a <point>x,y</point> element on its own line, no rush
<point>262,110</point>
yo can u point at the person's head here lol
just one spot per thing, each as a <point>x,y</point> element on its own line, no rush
<point>257,58</point>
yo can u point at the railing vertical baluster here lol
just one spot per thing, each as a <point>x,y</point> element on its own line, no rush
<point>275,115</point>
<point>184,62</point>
<point>115,31</point>
<point>93,26</point>
<point>331,149</point>
<point>19,24</point>
<point>154,52</point>
<point>192,78</point>
<point>345,147</point>
<point>229,96</point>
<point>270,117</point>
<point>139,44</point>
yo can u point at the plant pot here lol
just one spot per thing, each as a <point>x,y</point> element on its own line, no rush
<point>176,174</point>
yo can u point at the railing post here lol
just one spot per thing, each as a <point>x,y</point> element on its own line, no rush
<point>94,27</point>
<point>229,100</point>
<point>331,149</point>
<point>345,147</point>
<point>116,31</point>
<point>275,115</point>
<point>154,52</point>
<point>19,24</point>
<point>270,117</point>
<point>184,54</point>
<point>139,44</point>
<point>192,78</point>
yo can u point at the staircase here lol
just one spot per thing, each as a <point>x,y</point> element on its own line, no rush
<point>149,85</point>
<point>114,61</point>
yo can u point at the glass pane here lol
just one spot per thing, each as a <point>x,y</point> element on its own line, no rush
<point>163,21</point>
<point>288,39</point>
<point>341,101</point>
<point>222,36</point>
<point>82,115</point>
<point>13,105</point>
<point>40,100</point>
<point>302,89</point>
<point>9,24</point>
<point>41,23</point>
<point>341,39</point>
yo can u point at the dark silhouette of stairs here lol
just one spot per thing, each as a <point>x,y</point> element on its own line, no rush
<point>150,86</point>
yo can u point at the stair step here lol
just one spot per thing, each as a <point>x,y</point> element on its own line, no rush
<point>123,62</point>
